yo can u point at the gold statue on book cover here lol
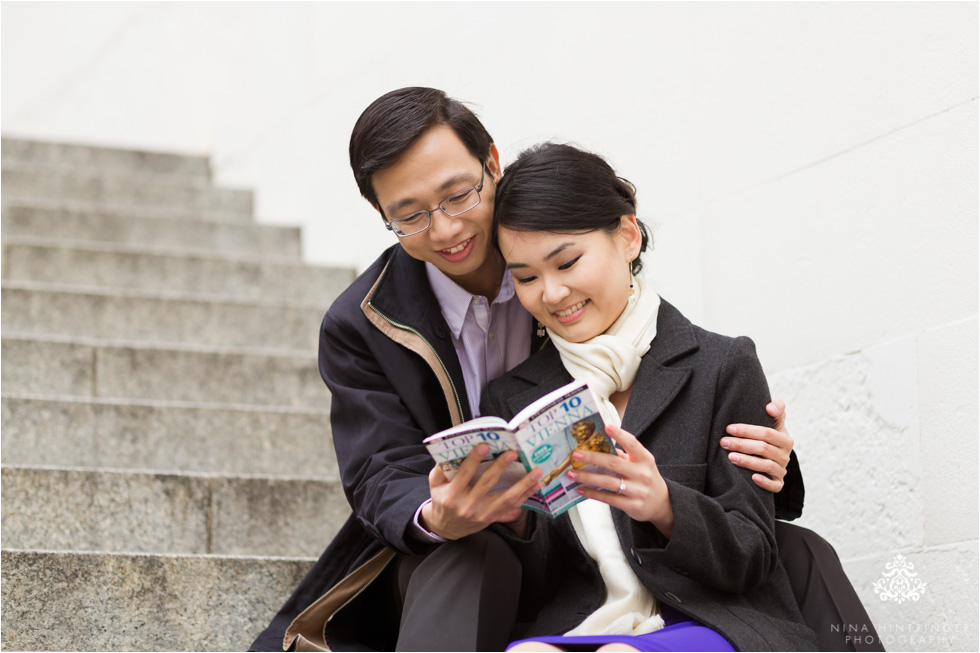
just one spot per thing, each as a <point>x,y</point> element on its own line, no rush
<point>587,439</point>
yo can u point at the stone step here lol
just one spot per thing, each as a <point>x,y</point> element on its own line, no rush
<point>65,155</point>
<point>81,187</point>
<point>118,266</point>
<point>61,601</point>
<point>75,509</point>
<point>166,436</point>
<point>118,370</point>
<point>178,234</point>
<point>56,310</point>
<point>157,213</point>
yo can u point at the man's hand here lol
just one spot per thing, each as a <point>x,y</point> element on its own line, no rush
<point>762,449</point>
<point>459,508</point>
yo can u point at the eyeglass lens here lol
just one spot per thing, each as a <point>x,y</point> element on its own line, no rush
<point>456,204</point>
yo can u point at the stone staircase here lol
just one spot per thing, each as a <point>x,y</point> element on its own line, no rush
<point>167,466</point>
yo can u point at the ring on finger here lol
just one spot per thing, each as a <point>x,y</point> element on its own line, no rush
<point>622,486</point>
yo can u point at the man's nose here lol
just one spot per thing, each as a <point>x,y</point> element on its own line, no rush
<point>443,227</point>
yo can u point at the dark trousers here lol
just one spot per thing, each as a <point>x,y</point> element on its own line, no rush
<point>830,606</point>
<point>461,597</point>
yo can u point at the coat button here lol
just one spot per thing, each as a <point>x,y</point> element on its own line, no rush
<point>440,332</point>
<point>673,597</point>
<point>636,556</point>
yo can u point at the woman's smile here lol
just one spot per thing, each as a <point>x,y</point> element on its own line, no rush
<point>572,313</point>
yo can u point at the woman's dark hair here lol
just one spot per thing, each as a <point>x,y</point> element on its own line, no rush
<point>562,189</point>
<point>393,122</point>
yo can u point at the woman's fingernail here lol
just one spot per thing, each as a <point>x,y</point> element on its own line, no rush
<point>725,442</point>
<point>734,457</point>
<point>572,475</point>
<point>578,455</point>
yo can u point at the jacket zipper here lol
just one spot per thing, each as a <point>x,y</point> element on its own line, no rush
<point>445,370</point>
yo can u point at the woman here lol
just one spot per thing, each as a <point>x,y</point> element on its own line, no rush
<point>676,551</point>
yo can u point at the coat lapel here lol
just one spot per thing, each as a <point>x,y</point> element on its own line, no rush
<point>545,374</point>
<point>657,381</point>
<point>403,295</point>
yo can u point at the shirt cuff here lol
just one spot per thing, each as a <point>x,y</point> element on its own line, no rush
<point>425,535</point>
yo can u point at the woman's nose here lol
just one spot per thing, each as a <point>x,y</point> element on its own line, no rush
<point>554,291</point>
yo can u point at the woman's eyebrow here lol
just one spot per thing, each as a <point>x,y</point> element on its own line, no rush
<point>558,250</point>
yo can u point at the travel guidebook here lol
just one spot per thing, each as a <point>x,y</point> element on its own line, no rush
<point>544,435</point>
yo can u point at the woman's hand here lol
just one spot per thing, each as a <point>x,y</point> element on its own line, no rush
<point>637,488</point>
<point>761,449</point>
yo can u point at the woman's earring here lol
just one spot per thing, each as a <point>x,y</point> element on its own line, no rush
<point>632,290</point>
<point>540,330</point>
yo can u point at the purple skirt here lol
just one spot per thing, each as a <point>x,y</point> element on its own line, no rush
<point>680,636</point>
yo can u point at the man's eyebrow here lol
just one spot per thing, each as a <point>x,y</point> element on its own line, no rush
<point>393,208</point>
<point>555,252</point>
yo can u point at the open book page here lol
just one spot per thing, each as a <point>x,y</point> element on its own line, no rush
<point>449,449</point>
<point>485,422</point>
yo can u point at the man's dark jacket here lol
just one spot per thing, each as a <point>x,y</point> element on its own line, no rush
<point>387,357</point>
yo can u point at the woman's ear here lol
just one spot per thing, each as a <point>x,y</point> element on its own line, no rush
<point>632,236</point>
<point>493,163</point>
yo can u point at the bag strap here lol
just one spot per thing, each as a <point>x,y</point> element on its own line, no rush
<point>308,628</point>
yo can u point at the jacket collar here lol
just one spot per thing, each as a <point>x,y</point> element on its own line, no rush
<point>402,293</point>
<point>403,296</point>
<point>657,381</point>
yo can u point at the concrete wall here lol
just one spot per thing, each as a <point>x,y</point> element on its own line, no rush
<point>810,169</point>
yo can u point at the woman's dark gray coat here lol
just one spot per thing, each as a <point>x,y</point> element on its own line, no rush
<point>720,565</point>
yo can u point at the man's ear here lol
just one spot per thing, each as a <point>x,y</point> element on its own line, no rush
<point>631,234</point>
<point>493,163</point>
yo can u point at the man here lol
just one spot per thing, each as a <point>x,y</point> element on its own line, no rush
<point>405,352</point>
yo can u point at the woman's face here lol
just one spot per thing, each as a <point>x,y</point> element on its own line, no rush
<point>574,284</point>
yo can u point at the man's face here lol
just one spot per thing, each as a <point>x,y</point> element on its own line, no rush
<point>437,165</point>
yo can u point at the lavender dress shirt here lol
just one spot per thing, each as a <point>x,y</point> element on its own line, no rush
<point>490,338</point>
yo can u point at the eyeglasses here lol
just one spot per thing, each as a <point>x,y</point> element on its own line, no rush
<point>456,204</point>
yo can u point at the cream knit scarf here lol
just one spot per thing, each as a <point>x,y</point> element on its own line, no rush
<point>609,363</point>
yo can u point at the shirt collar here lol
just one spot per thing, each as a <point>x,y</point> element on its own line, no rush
<point>455,301</point>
